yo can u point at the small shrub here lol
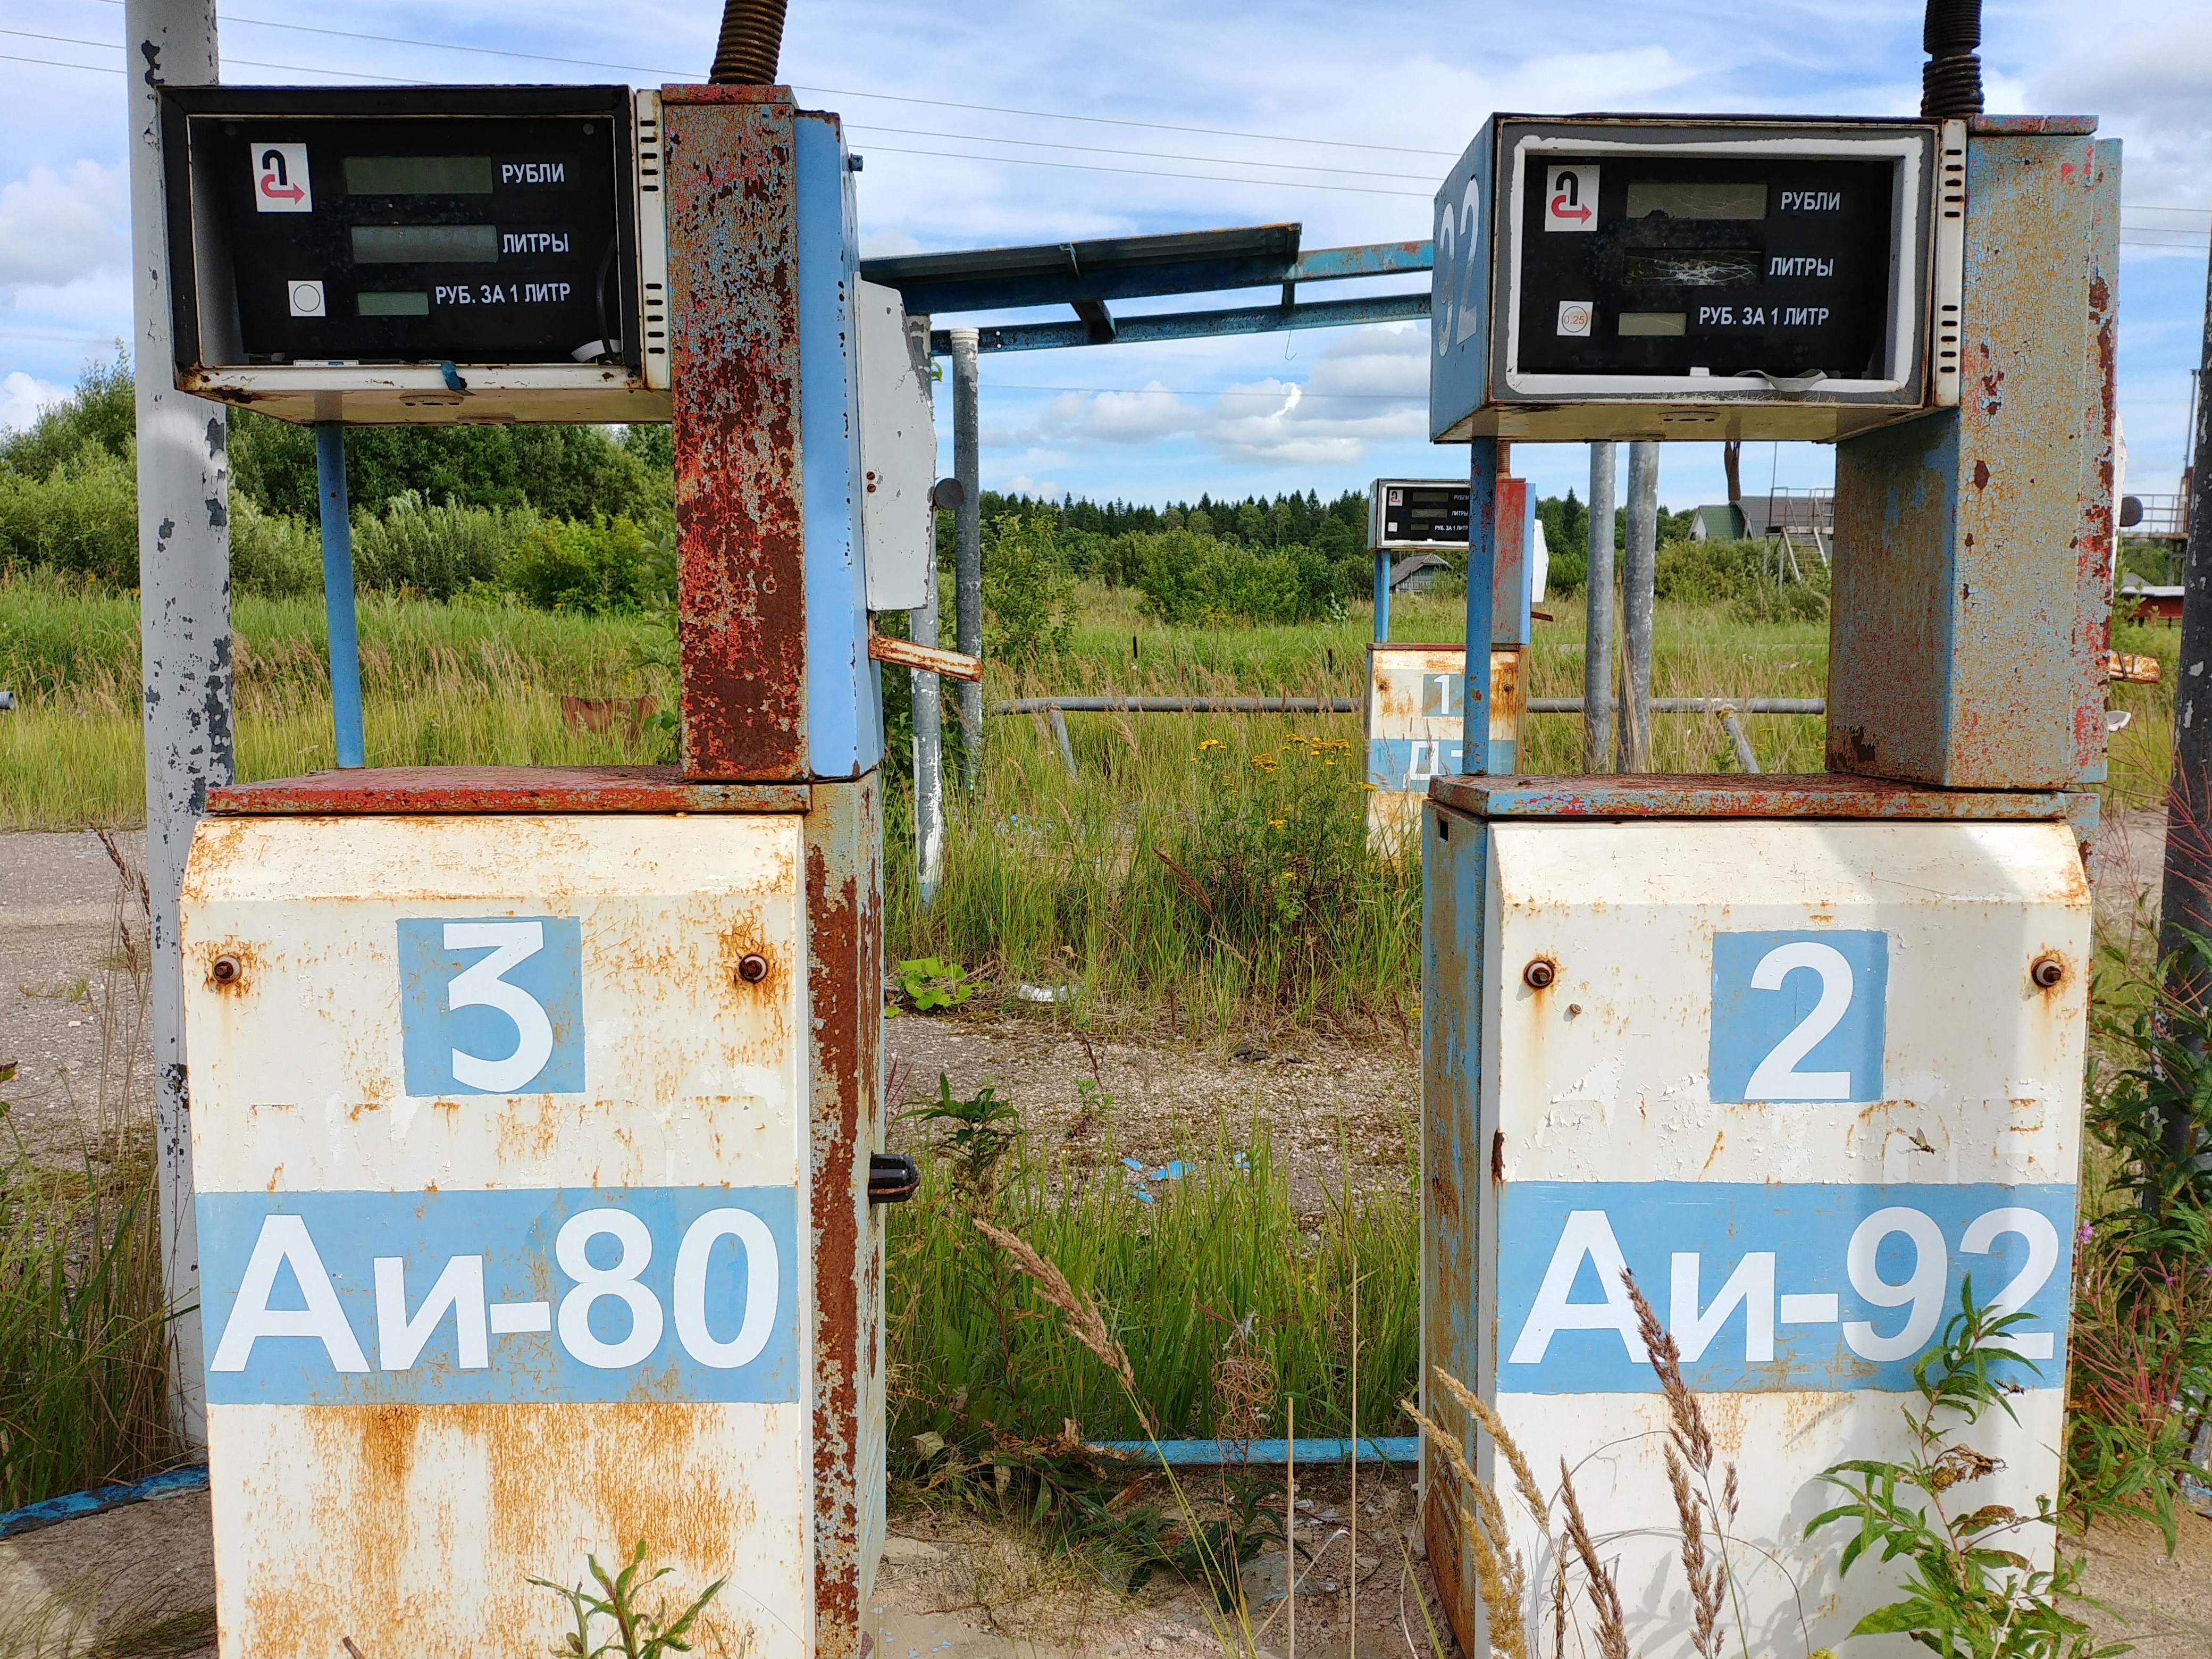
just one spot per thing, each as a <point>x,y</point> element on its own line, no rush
<point>437,551</point>
<point>1192,580</point>
<point>929,983</point>
<point>601,568</point>
<point>275,556</point>
<point>640,1632</point>
<point>1028,601</point>
<point>79,518</point>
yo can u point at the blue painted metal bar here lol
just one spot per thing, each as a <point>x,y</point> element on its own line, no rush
<point>1382,597</point>
<point>1373,1449</point>
<point>1481,561</point>
<point>1327,265</point>
<point>31,1517</point>
<point>1196,324</point>
<point>337,593</point>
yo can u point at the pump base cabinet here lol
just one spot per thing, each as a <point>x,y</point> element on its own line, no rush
<point>531,1159</point>
<point>1799,1077</point>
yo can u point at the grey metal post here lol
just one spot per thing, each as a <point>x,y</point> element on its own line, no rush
<point>1638,569</point>
<point>183,605</point>
<point>2185,898</point>
<point>928,707</point>
<point>1597,630</point>
<point>967,545</point>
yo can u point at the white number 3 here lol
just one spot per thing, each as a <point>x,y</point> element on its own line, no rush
<point>1777,1077</point>
<point>479,984</point>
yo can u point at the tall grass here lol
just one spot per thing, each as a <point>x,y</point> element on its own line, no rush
<point>1218,1264</point>
<point>83,1375</point>
<point>441,685</point>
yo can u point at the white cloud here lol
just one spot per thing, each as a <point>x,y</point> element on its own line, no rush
<point>1021,483</point>
<point>22,399</point>
<point>56,227</point>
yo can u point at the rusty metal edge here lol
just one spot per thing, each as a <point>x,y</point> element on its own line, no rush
<point>460,790</point>
<point>692,92</point>
<point>2031,126</point>
<point>1725,794</point>
<point>844,935</point>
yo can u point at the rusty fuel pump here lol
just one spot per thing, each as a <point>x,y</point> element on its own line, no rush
<point>1789,1058</point>
<point>537,1114</point>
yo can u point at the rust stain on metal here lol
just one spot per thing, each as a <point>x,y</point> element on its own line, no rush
<point>733,338</point>
<point>1731,794</point>
<point>845,1014</point>
<point>1497,1158</point>
<point>449,791</point>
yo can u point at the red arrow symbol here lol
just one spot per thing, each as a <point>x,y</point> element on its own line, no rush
<point>287,192</point>
<point>1561,211</point>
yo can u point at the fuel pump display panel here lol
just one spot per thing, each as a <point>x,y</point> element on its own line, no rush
<point>397,249</point>
<point>1706,266</point>
<point>416,240</point>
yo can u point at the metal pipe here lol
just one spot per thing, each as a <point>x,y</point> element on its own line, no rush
<point>337,593</point>
<point>1597,631</point>
<point>184,610</point>
<point>1482,567</point>
<point>1744,757</point>
<point>1639,570</point>
<point>928,699</point>
<point>2185,896</point>
<point>1695,705</point>
<point>752,41</point>
<point>1373,1449</point>
<point>1178,706</point>
<point>1060,736</point>
<point>967,545</point>
<point>1382,597</point>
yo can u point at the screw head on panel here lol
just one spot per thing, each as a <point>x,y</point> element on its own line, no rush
<point>2047,971</point>
<point>753,968</point>
<point>1539,974</point>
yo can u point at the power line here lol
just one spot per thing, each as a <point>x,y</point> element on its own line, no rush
<point>1154,155</point>
<point>1150,172</point>
<point>834,92</point>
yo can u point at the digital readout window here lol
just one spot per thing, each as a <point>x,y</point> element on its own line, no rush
<point>429,245</point>
<point>1653,323</point>
<point>417,304</point>
<point>1692,198</point>
<point>418,175</point>
<point>1703,267</point>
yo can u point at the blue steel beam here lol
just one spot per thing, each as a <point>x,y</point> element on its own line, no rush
<point>1196,324</point>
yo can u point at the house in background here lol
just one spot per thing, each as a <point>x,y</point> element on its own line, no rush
<point>1416,572</point>
<point>1723,522</point>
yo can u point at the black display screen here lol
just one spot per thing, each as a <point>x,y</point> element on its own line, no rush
<point>1425,512</point>
<point>415,239</point>
<point>1666,266</point>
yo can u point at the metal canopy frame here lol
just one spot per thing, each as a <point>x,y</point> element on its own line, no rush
<point>1087,275</point>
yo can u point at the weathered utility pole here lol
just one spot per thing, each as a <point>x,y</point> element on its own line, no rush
<point>2185,899</point>
<point>184,607</point>
<point>967,545</point>
<point>1638,573</point>
<point>928,706</point>
<point>1597,630</point>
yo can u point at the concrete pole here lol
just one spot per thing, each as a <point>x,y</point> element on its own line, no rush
<point>1639,570</point>
<point>967,545</point>
<point>184,607</point>
<point>928,706</point>
<point>2185,898</point>
<point>1597,632</point>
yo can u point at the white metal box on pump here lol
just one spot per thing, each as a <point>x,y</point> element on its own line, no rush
<point>501,1131</point>
<point>1800,1076</point>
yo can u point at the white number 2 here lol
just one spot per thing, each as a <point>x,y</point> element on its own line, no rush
<point>1777,1076</point>
<point>479,984</point>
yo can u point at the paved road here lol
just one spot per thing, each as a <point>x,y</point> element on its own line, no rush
<point>70,1013</point>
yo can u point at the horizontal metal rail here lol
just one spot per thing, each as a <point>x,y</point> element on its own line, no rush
<point>1177,706</point>
<point>1373,1449</point>
<point>1106,328</point>
<point>1351,706</point>
<point>1695,705</point>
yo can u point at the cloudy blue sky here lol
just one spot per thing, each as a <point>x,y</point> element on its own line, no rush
<point>991,122</point>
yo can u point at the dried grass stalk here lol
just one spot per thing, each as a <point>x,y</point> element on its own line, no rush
<point>1524,1479</point>
<point>1689,1423</point>
<point>1605,1597</point>
<point>1708,1579</point>
<point>1500,1576</point>
<point>1085,1322</point>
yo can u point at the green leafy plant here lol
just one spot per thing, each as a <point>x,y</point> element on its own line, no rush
<point>983,1129</point>
<point>1028,601</point>
<point>929,983</point>
<point>1969,1592</point>
<point>639,1631</point>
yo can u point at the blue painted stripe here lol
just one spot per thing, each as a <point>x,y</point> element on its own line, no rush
<point>1373,1449</point>
<point>558,1295</point>
<point>33,1517</point>
<point>1769,1286</point>
<point>844,718</point>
